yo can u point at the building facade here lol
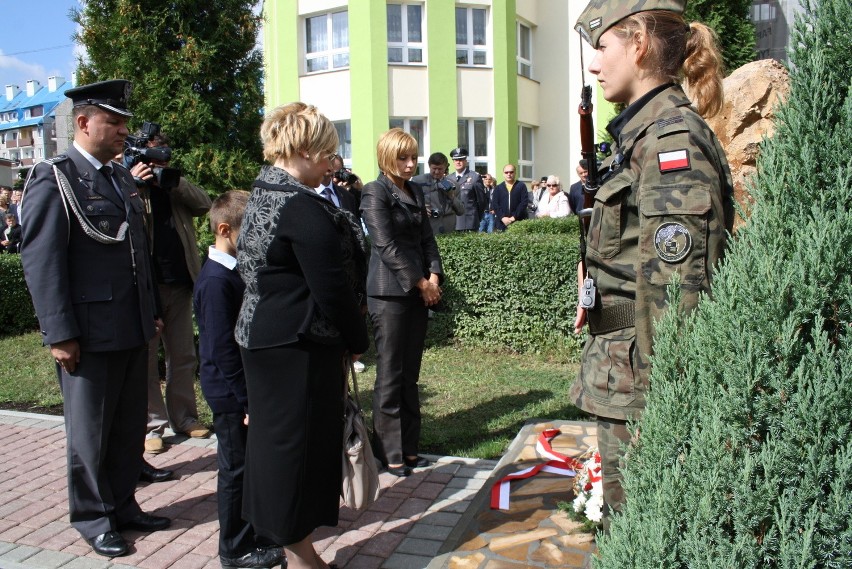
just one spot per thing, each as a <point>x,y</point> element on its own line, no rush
<point>28,131</point>
<point>501,78</point>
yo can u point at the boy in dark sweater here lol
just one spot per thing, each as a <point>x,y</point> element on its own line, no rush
<point>217,298</point>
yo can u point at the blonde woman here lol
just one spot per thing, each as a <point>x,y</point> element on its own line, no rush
<point>303,266</point>
<point>402,283</point>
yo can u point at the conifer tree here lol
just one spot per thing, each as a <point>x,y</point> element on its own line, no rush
<point>743,457</point>
<point>196,71</point>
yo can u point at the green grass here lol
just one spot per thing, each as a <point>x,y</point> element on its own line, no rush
<point>474,402</point>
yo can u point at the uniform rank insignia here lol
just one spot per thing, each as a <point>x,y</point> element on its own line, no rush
<point>672,241</point>
<point>103,225</point>
<point>673,160</point>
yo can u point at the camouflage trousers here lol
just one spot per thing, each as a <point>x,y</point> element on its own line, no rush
<point>613,436</point>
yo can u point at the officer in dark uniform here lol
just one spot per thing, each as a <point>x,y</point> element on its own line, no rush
<point>471,191</point>
<point>86,263</point>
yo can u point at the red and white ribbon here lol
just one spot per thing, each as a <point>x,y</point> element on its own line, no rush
<point>558,464</point>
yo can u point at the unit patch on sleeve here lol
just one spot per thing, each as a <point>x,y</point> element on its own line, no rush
<point>672,241</point>
<point>673,160</point>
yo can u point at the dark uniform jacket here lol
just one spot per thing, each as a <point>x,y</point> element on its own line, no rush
<point>664,208</point>
<point>101,294</point>
<point>404,247</point>
<point>472,195</point>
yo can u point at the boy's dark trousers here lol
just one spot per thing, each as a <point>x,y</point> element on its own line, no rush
<point>236,536</point>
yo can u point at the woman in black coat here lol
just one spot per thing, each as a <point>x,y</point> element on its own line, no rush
<point>304,268</point>
<point>403,281</point>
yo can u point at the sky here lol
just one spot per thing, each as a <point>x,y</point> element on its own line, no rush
<point>35,41</point>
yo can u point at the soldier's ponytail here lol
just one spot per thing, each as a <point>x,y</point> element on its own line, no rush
<point>702,70</point>
<point>679,53</point>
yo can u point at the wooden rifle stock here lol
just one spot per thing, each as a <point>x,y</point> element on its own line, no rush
<point>588,150</point>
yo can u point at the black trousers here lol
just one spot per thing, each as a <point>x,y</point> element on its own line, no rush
<point>105,405</point>
<point>236,536</point>
<point>399,329</point>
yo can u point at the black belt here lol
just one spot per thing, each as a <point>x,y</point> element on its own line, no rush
<point>612,318</point>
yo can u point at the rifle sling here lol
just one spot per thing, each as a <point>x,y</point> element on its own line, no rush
<point>611,318</point>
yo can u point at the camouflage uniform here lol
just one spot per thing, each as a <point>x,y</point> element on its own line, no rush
<point>663,208</point>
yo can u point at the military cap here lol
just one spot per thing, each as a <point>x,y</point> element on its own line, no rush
<point>601,15</point>
<point>108,95</point>
<point>458,153</point>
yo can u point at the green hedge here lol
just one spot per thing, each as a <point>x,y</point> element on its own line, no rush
<point>515,290</point>
<point>16,307</point>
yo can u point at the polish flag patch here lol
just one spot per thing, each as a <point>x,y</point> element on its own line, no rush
<point>673,160</point>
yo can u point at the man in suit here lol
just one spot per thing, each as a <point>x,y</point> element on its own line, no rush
<point>340,197</point>
<point>87,266</point>
<point>510,199</point>
<point>471,191</point>
<point>442,196</point>
<point>576,195</point>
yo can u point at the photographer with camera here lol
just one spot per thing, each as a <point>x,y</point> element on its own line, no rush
<point>442,197</point>
<point>171,202</point>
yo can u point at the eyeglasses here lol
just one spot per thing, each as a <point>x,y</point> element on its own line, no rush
<point>331,157</point>
<point>552,185</point>
<point>507,172</point>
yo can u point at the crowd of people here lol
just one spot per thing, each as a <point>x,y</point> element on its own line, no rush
<point>284,297</point>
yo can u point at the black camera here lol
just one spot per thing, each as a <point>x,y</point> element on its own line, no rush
<point>434,213</point>
<point>345,176</point>
<point>445,185</point>
<point>136,150</point>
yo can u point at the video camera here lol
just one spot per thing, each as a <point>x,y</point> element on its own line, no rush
<point>136,150</point>
<point>345,176</point>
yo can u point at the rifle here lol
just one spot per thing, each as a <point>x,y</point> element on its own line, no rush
<point>590,187</point>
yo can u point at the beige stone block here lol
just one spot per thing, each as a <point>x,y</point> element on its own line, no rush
<point>572,429</point>
<point>552,556</point>
<point>581,541</point>
<point>517,524</point>
<point>544,483</point>
<point>518,553</point>
<point>466,562</point>
<point>565,523</point>
<point>542,427</point>
<point>473,544</point>
<point>499,543</point>
<point>501,564</point>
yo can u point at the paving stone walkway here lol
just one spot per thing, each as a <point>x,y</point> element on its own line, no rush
<point>439,517</point>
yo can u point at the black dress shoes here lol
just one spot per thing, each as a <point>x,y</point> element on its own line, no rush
<point>262,558</point>
<point>417,462</point>
<point>401,471</point>
<point>151,474</point>
<point>146,522</point>
<point>109,544</point>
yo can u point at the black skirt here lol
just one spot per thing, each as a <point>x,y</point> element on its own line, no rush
<point>293,470</point>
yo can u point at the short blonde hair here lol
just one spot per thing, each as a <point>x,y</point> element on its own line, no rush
<point>554,180</point>
<point>393,144</point>
<point>297,127</point>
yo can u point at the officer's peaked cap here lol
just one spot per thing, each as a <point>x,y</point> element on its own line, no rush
<point>109,95</point>
<point>458,153</point>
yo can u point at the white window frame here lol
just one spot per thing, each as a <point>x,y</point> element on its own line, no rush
<point>525,65</point>
<point>330,52</point>
<point>406,45</point>
<point>344,147</point>
<point>405,124</point>
<point>526,157</point>
<point>469,47</point>
<point>476,161</point>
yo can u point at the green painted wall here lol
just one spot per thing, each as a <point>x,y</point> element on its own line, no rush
<point>443,78</point>
<point>281,52</point>
<point>505,122</point>
<point>368,65</point>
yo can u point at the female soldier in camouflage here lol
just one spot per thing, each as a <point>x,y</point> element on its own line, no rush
<point>663,206</point>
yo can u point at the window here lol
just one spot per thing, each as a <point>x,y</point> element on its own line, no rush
<point>416,128</point>
<point>524,50</point>
<point>405,33</point>
<point>470,36</point>
<point>320,53</point>
<point>344,134</point>
<point>764,12</point>
<point>473,135</point>
<point>526,154</point>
